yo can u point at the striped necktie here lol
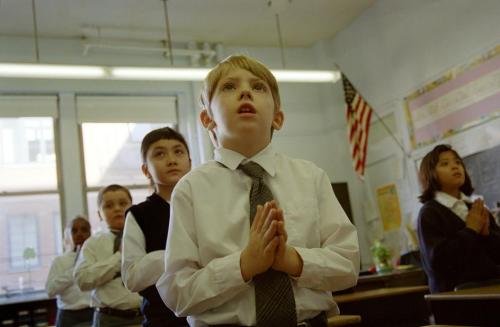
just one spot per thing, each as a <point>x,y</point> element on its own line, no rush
<point>118,240</point>
<point>116,246</point>
<point>274,299</point>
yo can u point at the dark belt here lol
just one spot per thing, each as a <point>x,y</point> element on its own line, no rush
<point>319,321</point>
<point>77,310</point>
<point>131,313</point>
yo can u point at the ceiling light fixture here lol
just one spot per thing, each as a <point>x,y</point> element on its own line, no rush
<point>55,71</point>
<point>160,73</point>
<point>21,70</point>
<point>15,70</point>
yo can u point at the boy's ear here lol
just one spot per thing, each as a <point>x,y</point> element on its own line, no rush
<point>145,171</point>
<point>206,120</point>
<point>278,119</point>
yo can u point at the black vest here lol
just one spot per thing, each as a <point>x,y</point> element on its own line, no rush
<point>153,216</point>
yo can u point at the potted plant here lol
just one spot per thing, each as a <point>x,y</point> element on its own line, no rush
<point>381,257</point>
<point>28,255</point>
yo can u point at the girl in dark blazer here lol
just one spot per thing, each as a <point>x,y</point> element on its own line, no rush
<point>459,240</point>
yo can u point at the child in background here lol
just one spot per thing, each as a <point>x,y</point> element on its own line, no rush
<point>98,266</point>
<point>234,256</point>
<point>72,304</point>
<point>459,240</point>
<point>165,157</point>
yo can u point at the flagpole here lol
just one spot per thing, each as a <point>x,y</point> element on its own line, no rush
<point>390,133</point>
<point>380,119</point>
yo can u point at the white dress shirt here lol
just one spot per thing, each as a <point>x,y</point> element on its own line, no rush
<point>458,206</point>
<point>210,226</point>
<point>96,269</point>
<point>60,283</point>
<point>139,269</point>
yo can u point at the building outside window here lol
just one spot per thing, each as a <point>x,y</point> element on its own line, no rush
<point>23,242</point>
<point>30,220</point>
<point>112,156</point>
<point>112,129</point>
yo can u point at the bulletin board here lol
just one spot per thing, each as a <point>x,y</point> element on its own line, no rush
<point>463,97</point>
<point>388,205</point>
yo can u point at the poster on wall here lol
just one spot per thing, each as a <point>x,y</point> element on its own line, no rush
<point>463,97</point>
<point>388,205</point>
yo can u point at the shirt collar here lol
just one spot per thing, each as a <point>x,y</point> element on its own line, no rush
<point>448,200</point>
<point>232,159</point>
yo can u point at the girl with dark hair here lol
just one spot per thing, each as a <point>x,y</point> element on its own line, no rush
<point>459,239</point>
<point>165,157</point>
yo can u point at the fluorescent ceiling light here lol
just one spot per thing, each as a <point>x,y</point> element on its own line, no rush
<point>199,74</point>
<point>148,73</point>
<point>173,74</point>
<point>50,71</point>
<point>312,76</point>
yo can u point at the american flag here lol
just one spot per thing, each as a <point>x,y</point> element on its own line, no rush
<point>358,113</point>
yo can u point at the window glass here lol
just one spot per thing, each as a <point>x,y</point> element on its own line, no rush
<point>30,236</point>
<point>30,219</point>
<point>27,158</point>
<point>112,153</point>
<point>138,195</point>
<point>23,242</point>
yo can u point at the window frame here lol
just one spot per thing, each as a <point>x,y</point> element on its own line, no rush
<point>19,106</point>
<point>93,117</point>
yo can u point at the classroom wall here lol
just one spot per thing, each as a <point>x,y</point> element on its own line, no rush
<point>389,51</point>
<point>398,46</point>
<point>306,133</point>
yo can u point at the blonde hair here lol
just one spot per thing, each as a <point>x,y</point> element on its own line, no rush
<point>243,62</point>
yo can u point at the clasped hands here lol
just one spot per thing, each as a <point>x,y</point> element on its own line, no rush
<point>478,218</point>
<point>267,246</point>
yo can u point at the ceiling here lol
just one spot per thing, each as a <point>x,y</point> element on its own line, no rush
<point>229,22</point>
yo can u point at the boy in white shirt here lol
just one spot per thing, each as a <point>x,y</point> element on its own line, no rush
<point>73,305</point>
<point>222,246</point>
<point>99,264</point>
<point>165,157</point>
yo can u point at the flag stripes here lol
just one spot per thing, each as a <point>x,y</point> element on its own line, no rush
<point>358,114</point>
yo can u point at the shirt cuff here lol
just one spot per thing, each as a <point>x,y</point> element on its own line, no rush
<point>227,271</point>
<point>311,267</point>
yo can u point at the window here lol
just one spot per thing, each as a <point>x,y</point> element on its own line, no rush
<point>28,222</point>
<point>30,219</point>
<point>138,195</point>
<point>112,131</point>
<point>40,139</point>
<point>112,156</point>
<point>23,242</point>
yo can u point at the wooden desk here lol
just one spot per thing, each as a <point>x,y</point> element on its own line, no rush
<point>485,292</point>
<point>344,320</point>
<point>379,293</point>
<point>473,306</point>
<point>390,306</point>
<point>38,305</point>
<point>396,278</point>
